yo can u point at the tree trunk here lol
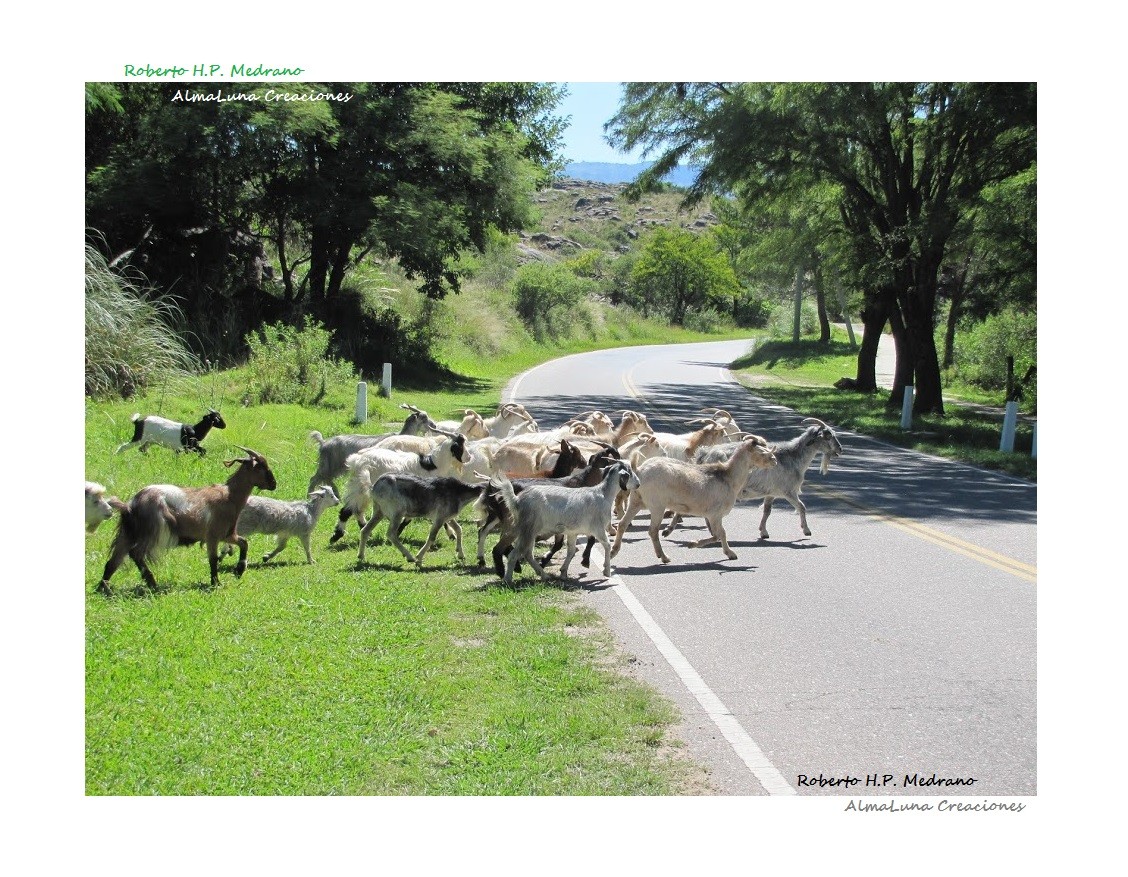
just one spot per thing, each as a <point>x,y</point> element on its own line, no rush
<point>903,366</point>
<point>820,301</point>
<point>874,317</point>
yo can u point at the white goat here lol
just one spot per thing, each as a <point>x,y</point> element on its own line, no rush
<point>683,446</point>
<point>295,519</point>
<point>785,479</point>
<point>471,425</point>
<point>508,415</point>
<point>99,507</point>
<point>550,508</point>
<point>708,490</point>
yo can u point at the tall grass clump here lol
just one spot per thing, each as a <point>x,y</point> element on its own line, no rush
<point>131,338</point>
<point>290,364</point>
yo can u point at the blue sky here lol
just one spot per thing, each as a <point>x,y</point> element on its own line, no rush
<point>590,104</point>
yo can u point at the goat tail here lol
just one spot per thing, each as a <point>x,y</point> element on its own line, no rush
<point>136,416</point>
<point>317,437</point>
<point>505,491</point>
<point>145,524</point>
<point>358,491</point>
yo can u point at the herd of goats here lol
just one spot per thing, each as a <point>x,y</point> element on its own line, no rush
<point>587,477</point>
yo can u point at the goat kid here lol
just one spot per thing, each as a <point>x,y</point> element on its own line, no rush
<point>153,430</point>
<point>285,520</point>
<point>162,516</point>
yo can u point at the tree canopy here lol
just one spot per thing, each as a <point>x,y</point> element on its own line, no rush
<point>907,162</point>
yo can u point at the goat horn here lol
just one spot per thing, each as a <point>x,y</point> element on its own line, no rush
<point>411,408</point>
<point>815,420</point>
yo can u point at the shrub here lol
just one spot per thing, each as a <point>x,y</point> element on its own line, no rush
<point>131,340</point>
<point>547,298</point>
<point>781,323</point>
<point>982,349</point>
<point>291,365</point>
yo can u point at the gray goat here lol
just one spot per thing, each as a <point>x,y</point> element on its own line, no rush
<point>550,509</point>
<point>785,479</point>
<point>295,519</point>
<point>401,496</point>
<point>332,452</point>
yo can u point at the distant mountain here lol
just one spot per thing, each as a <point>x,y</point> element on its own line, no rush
<point>612,172</point>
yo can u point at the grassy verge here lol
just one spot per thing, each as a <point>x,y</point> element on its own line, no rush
<point>802,375</point>
<point>339,678</point>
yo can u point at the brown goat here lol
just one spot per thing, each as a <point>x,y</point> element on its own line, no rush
<point>162,516</point>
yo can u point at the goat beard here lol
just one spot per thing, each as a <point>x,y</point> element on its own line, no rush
<point>825,467</point>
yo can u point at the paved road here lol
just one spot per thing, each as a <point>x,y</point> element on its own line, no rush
<point>897,640</point>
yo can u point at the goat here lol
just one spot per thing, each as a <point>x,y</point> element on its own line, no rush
<point>153,430</point>
<point>472,426</point>
<point>286,520</point>
<point>784,480</point>
<point>508,415</point>
<point>332,452</point>
<point>490,510</point>
<point>162,516</point>
<point>99,507</point>
<point>399,496</point>
<point>683,446</point>
<point>707,489</point>
<point>630,423</point>
<point>550,508</point>
<point>366,466</point>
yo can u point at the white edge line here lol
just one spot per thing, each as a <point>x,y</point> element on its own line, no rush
<point>739,739</point>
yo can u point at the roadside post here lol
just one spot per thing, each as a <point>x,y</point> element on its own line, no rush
<point>386,381</point>
<point>361,402</point>
<point>907,409</point>
<point>1010,422</point>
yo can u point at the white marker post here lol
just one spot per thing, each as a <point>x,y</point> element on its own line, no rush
<point>1034,442</point>
<point>361,402</point>
<point>386,381</point>
<point>907,409</point>
<point>1010,422</point>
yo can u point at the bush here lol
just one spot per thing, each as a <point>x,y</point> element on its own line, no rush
<point>131,340</point>
<point>982,349</point>
<point>291,365</point>
<point>752,310</point>
<point>548,299</point>
<point>781,324</point>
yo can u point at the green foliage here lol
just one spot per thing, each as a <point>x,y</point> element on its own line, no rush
<point>131,338</point>
<point>291,365</point>
<point>752,309</point>
<point>678,271</point>
<point>982,350</point>
<point>548,299</point>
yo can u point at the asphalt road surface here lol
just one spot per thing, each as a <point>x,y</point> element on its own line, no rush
<point>896,642</point>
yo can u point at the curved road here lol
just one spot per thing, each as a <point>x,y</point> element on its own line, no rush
<point>897,641</point>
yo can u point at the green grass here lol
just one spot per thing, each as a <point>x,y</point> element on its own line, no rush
<point>335,678</point>
<point>802,375</point>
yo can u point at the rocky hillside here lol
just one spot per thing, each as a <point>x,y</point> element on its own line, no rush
<point>578,215</point>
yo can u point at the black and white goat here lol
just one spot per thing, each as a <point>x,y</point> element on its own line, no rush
<point>153,430</point>
<point>162,516</point>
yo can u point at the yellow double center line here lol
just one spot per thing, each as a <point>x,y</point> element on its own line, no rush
<point>1025,571</point>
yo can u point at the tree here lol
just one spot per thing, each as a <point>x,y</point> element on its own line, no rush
<point>678,271</point>
<point>909,160</point>
<point>412,171</point>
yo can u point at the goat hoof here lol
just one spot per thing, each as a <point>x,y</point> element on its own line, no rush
<point>335,537</point>
<point>240,568</point>
<point>103,588</point>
